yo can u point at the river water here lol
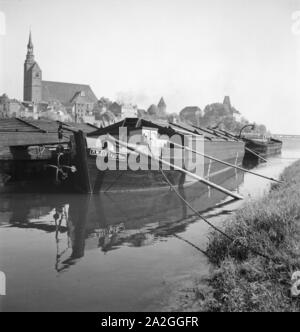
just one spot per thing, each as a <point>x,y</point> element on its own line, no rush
<point>114,252</point>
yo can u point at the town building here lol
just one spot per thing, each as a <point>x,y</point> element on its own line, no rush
<point>129,111</point>
<point>10,107</point>
<point>78,100</point>
<point>152,110</point>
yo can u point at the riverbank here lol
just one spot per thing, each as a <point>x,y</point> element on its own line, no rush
<point>241,279</point>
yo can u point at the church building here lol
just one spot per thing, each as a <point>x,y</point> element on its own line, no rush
<point>78,99</point>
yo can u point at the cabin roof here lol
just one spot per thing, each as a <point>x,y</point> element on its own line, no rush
<point>85,127</point>
<point>16,125</point>
<point>24,132</point>
<point>10,139</point>
<point>163,127</point>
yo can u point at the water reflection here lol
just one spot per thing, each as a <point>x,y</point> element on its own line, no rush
<point>111,221</point>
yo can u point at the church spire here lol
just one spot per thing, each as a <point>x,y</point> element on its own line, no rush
<point>30,55</point>
<point>32,88</point>
<point>30,45</point>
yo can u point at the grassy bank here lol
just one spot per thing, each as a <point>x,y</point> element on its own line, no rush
<point>242,280</point>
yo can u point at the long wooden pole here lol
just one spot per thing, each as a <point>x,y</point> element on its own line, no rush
<point>199,178</point>
<point>256,154</point>
<point>224,162</point>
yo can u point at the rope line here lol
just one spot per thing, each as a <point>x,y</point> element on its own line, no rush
<point>210,224</point>
<point>230,238</point>
<point>192,244</point>
<point>204,219</point>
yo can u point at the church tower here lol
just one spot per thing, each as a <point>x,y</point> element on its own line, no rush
<point>162,107</point>
<point>32,76</point>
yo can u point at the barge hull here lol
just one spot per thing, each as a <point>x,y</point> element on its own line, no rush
<point>153,180</point>
<point>263,149</point>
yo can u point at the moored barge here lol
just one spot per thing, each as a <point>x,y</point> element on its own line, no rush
<point>257,147</point>
<point>36,156</point>
<point>33,156</point>
<point>155,138</point>
<point>264,147</point>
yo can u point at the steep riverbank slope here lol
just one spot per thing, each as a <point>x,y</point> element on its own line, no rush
<point>242,280</point>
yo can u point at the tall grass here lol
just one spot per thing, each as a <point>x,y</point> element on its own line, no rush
<point>244,281</point>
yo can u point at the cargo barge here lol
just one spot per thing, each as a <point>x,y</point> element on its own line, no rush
<point>263,147</point>
<point>34,156</point>
<point>257,148</point>
<point>153,138</point>
<point>47,156</point>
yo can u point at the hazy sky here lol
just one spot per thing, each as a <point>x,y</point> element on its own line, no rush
<point>192,52</point>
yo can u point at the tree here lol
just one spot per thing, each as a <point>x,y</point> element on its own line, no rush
<point>229,119</point>
<point>104,103</point>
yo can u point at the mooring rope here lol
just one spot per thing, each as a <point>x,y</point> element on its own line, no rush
<point>159,160</point>
<point>206,220</point>
<point>209,223</point>
<point>230,238</point>
<point>226,163</point>
<point>192,244</point>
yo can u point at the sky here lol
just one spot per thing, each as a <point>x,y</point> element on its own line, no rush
<point>191,52</point>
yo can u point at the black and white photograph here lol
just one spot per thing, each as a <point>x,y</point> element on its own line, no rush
<point>149,158</point>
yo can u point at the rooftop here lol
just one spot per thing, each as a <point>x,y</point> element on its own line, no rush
<point>66,92</point>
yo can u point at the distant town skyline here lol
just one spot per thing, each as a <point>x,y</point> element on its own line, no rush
<point>191,52</point>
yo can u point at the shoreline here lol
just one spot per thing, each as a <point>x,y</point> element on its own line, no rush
<point>239,278</point>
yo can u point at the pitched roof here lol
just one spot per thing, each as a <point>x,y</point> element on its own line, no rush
<point>65,92</point>
<point>226,101</point>
<point>161,103</point>
<point>163,127</point>
<point>16,125</point>
<point>30,139</point>
<point>80,97</point>
<point>85,127</point>
<point>152,109</point>
<point>24,132</point>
